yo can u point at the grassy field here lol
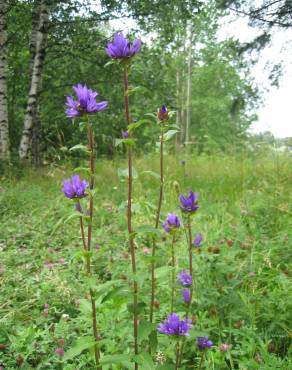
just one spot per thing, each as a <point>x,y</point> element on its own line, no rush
<point>242,292</point>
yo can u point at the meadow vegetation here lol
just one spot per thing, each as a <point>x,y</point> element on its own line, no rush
<point>242,277</point>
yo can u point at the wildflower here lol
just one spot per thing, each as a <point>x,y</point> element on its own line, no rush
<point>198,240</point>
<point>174,326</point>
<point>186,295</point>
<point>59,351</point>
<point>49,265</point>
<point>204,343</point>
<point>182,162</point>
<point>46,305</point>
<point>146,250</point>
<point>125,134</point>
<point>224,347</point>
<point>97,247</point>
<point>189,204</point>
<point>61,261</point>
<point>230,242</point>
<point>185,278</point>
<point>171,223</point>
<point>78,207</point>
<point>85,103</point>
<point>74,188</point>
<point>121,48</point>
<point>163,113</point>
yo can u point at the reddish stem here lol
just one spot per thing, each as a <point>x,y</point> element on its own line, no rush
<point>156,226</point>
<point>129,218</point>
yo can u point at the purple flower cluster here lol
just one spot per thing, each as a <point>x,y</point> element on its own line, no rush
<point>186,293</point>
<point>174,326</point>
<point>198,240</point>
<point>189,204</point>
<point>74,187</point>
<point>125,134</point>
<point>121,48</point>
<point>185,278</point>
<point>85,103</point>
<point>172,223</point>
<point>204,343</point>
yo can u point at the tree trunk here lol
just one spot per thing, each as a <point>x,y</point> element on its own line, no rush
<point>182,103</point>
<point>31,115</point>
<point>189,86</point>
<point>4,130</point>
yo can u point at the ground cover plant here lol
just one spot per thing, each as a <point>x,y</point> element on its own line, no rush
<point>241,270</point>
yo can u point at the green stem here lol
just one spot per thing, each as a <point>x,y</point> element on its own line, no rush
<point>89,235</point>
<point>172,272</point>
<point>190,257</point>
<point>129,218</point>
<point>161,166</point>
<point>201,361</point>
<point>177,357</point>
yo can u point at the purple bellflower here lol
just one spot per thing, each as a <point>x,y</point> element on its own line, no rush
<point>186,295</point>
<point>198,240</point>
<point>171,223</point>
<point>189,204</point>
<point>185,278</point>
<point>121,48</point>
<point>204,343</point>
<point>74,188</point>
<point>85,103</point>
<point>174,326</point>
<point>125,134</point>
<point>163,113</point>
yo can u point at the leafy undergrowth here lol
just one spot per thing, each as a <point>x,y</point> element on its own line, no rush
<point>242,291</point>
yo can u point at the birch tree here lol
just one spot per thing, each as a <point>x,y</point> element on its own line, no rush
<point>31,114</point>
<point>4,132</point>
<point>189,84</point>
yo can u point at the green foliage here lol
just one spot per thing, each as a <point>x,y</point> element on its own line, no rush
<point>241,294</point>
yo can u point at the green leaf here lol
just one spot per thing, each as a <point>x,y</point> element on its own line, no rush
<point>147,229</point>
<point>122,359</point>
<point>81,147</point>
<point>140,307</point>
<point>132,90</point>
<point>153,341</point>
<point>169,134</point>
<point>80,345</point>
<point>145,360</point>
<point>82,169</point>
<point>165,367</point>
<point>153,174</point>
<point>145,328</point>
<point>123,173</point>
<point>137,124</point>
<point>129,141</point>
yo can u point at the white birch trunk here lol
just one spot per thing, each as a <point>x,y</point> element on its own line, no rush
<point>189,86</point>
<point>4,131</point>
<point>36,78</point>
